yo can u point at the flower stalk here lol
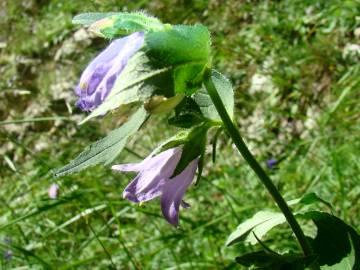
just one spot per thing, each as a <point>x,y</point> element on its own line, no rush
<point>264,178</point>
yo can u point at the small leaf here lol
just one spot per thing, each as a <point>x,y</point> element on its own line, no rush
<point>309,198</point>
<point>259,224</point>
<point>105,150</point>
<point>226,93</point>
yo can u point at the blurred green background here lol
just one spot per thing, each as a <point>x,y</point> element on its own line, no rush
<point>295,66</point>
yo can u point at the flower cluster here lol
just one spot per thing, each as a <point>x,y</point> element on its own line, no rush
<point>155,173</point>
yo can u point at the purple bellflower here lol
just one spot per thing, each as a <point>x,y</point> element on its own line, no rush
<point>154,179</point>
<point>99,77</point>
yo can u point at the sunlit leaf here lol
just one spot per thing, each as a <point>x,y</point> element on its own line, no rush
<point>107,149</point>
<point>259,224</point>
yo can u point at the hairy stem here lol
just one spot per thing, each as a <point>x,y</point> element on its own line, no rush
<point>264,178</point>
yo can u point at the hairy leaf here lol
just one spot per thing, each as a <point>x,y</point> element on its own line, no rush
<point>187,49</point>
<point>105,150</point>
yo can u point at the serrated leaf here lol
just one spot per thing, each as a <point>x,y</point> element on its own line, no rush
<point>259,224</point>
<point>137,82</point>
<point>105,150</point>
<point>89,18</point>
<point>226,93</point>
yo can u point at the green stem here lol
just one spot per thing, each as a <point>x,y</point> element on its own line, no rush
<point>264,178</point>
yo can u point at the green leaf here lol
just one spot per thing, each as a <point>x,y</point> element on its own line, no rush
<point>105,150</point>
<point>226,93</point>
<point>259,224</point>
<point>187,49</point>
<point>334,239</point>
<point>347,263</point>
<point>267,260</point>
<point>309,198</point>
<point>89,18</point>
<point>263,221</point>
<point>137,82</point>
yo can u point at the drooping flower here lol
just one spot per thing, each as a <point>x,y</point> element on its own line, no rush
<point>53,191</point>
<point>154,179</point>
<point>99,77</point>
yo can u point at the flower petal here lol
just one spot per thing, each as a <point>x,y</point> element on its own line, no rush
<point>144,187</point>
<point>152,162</point>
<point>100,75</point>
<point>173,192</point>
<point>130,167</point>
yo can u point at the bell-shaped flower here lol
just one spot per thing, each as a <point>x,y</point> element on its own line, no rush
<point>99,77</point>
<point>154,179</point>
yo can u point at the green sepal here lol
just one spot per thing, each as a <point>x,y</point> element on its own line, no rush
<point>193,148</point>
